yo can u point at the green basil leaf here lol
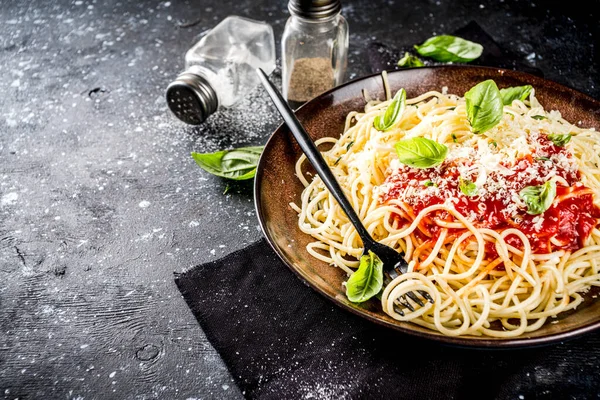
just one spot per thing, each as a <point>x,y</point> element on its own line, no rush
<point>429,183</point>
<point>420,152</point>
<point>447,48</point>
<point>367,280</point>
<point>539,117</point>
<point>542,159</point>
<point>559,140</point>
<point>238,164</point>
<point>484,106</point>
<point>410,61</point>
<point>515,93</point>
<point>538,198</point>
<point>392,114</point>
<point>467,187</point>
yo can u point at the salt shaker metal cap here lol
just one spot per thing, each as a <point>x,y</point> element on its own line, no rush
<point>314,9</point>
<point>191,98</point>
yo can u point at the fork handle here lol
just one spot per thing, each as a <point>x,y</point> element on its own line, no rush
<point>314,156</point>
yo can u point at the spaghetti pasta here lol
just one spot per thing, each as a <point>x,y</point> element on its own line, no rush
<point>492,265</point>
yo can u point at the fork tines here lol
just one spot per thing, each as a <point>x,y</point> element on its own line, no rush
<point>389,276</point>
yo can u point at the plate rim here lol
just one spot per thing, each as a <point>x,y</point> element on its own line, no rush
<point>456,341</point>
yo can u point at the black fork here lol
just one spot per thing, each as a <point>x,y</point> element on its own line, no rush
<point>394,263</point>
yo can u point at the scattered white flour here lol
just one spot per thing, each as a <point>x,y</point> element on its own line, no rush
<point>9,199</point>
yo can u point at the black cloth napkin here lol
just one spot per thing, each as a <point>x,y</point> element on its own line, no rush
<point>384,56</point>
<point>282,340</point>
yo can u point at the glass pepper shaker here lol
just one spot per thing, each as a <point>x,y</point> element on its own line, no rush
<point>221,68</point>
<point>314,49</point>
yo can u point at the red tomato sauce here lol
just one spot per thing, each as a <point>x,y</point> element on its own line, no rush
<point>568,221</point>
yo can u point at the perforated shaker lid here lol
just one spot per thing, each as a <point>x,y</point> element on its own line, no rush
<point>315,9</point>
<point>191,98</point>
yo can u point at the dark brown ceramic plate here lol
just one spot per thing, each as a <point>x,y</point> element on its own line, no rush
<point>276,186</point>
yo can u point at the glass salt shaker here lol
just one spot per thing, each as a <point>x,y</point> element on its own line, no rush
<point>314,49</point>
<point>221,68</point>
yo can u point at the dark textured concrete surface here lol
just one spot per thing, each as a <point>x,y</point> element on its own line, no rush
<point>100,201</point>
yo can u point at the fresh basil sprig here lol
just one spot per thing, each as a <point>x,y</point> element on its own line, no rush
<point>410,61</point>
<point>559,139</point>
<point>238,164</point>
<point>515,93</point>
<point>367,280</point>
<point>467,187</point>
<point>538,198</point>
<point>420,152</point>
<point>484,106</point>
<point>447,48</point>
<point>392,114</point>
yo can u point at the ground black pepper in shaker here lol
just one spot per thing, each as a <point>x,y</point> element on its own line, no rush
<point>314,49</point>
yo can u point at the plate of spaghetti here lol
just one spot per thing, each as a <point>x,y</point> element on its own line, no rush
<point>487,180</point>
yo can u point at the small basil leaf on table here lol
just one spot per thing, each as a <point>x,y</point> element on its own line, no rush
<point>410,61</point>
<point>559,139</point>
<point>538,198</point>
<point>393,112</point>
<point>367,280</point>
<point>515,93</point>
<point>485,107</point>
<point>420,152</point>
<point>238,164</point>
<point>448,48</point>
